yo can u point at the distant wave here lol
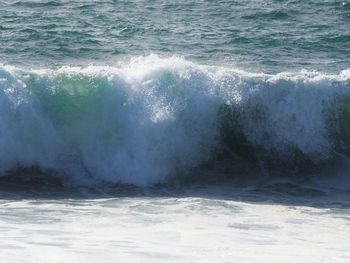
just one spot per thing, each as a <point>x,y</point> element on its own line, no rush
<point>151,118</point>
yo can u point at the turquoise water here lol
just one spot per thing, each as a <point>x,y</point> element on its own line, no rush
<point>268,36</point>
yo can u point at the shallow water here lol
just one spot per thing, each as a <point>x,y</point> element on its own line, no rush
<point>187,224</point>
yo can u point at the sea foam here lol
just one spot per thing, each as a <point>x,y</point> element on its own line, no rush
<point>151,118</point>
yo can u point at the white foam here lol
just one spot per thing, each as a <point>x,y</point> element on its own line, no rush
<point>149,118</point>
<point>179,229</point>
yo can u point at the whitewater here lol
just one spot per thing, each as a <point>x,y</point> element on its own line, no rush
<point>152,119</point>
<point>187,131</point>
<point>159,159</point>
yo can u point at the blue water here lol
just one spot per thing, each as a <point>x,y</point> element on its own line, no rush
<point>188,130</point>
<point>268,36</point>
<point>143,92</point>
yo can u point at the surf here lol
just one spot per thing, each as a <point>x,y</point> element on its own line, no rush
<point>148,119</point>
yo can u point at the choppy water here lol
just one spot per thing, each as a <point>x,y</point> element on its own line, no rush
<point>258,35</point>
<point>187,130</point>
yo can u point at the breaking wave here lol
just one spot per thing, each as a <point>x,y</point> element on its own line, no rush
<point>151,118</point>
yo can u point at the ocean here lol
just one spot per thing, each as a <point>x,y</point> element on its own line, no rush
<point>184,131</point>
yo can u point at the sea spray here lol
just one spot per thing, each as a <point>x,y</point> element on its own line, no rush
<point>152,118</point>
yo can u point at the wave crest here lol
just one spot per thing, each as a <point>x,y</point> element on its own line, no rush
<point>151,118</point>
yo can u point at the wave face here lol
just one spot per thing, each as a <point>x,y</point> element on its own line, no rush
<point>152,118</point>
